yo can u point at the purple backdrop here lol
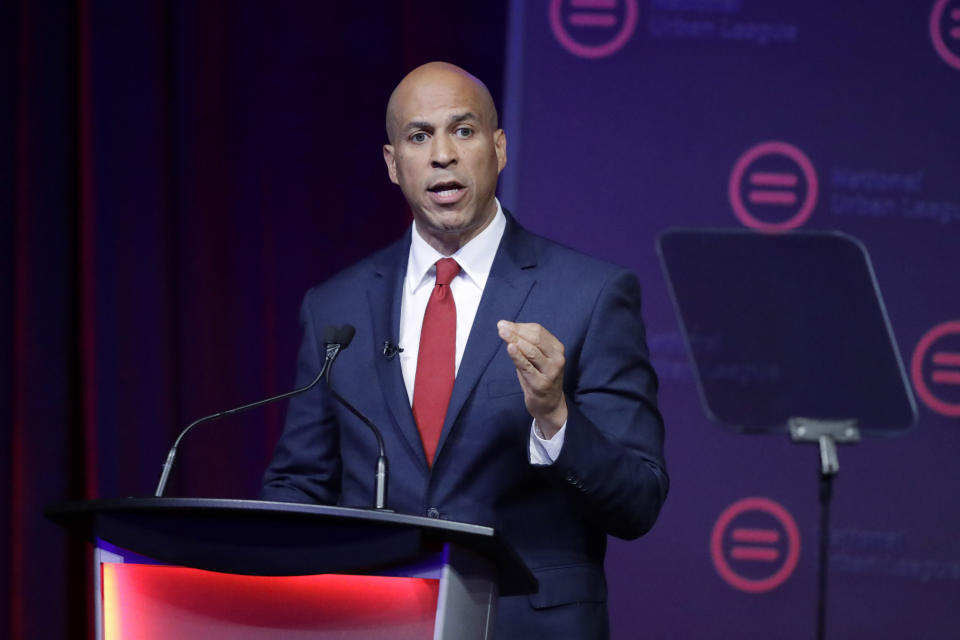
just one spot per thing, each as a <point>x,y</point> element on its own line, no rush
<point>626,117</point>
<point>180,173</point>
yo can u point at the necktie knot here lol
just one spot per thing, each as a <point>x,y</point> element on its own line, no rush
<point>447,270</point>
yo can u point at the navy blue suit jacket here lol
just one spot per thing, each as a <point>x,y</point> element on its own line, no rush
<point>610,476</point>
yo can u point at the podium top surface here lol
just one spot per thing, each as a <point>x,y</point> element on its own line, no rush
<point>280,538</point>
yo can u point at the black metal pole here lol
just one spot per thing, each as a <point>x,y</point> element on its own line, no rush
<point>826,493</point>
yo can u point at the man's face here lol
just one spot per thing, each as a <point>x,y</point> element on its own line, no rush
<point>446,155</point>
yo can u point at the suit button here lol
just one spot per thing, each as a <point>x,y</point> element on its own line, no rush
<point>571,477</point>
<point>433,513</point>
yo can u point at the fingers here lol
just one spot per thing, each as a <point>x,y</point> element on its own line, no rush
<point>539,359</point>
<point>531,377</point>
<point>537,346</point>
<point>528,353</point>
<point>528,359</point>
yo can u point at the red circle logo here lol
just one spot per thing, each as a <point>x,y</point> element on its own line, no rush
<point>755,545</point>
<point>945,30</point>
<point>935,369</point>
<point>773,187</point>
<point>593,28</point>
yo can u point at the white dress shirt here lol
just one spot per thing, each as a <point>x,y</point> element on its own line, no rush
<point>475,259</point>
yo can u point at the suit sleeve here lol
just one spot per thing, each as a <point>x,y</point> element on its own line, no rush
<point>612,457</point>
<point>306,461</point>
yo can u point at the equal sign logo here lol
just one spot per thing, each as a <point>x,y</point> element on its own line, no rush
<point>935,369</point>
<point>593,28</point>
<point>773,187</point>
<point>945,31</point>
<point>946,359</point>
<point>755,545</point>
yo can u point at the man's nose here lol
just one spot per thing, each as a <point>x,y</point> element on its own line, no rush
<point>444,152</point>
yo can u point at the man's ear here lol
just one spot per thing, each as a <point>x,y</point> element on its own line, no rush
<point>391,162</point>
<point>500,144</point>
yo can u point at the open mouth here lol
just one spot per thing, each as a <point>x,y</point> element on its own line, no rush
<point>447,188</point>
<point>447,191</point>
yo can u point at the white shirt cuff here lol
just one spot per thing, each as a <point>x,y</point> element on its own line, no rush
<point>543,451</point>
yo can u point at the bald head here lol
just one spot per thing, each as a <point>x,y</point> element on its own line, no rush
<point>431,77</point>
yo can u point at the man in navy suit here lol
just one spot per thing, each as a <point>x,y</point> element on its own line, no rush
<point>536,412</point>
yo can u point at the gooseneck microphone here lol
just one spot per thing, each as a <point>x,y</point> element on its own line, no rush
<point>336,338</point>
<point>380,486</point>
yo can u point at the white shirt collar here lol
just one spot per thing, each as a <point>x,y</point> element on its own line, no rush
<point>475,258</point>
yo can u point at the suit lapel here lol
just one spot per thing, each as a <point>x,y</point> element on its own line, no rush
<point>384,297</point>
<point>512,275</point>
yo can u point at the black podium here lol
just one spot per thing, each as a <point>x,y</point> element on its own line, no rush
<point>173,567</point>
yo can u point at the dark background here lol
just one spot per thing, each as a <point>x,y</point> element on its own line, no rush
<point>175,175</point>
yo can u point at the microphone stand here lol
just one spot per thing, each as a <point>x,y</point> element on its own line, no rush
<point>337,339</point>
<point>380,486</point>
<point>332,350</point>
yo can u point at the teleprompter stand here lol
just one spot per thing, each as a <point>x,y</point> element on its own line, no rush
<point>781,329</point>
<point>826,434</point>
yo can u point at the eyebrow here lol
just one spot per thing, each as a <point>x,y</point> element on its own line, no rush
<point>462,117</point>
<point>427,126</point>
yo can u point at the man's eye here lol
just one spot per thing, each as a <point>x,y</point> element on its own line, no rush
<point>419,137</point>
<point>464,132</point>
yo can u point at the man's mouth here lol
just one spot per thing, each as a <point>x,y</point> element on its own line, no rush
<point>446,188</point>
<point>446,192</point>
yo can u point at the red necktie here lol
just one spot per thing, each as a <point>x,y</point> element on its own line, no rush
<point>436,361</point>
